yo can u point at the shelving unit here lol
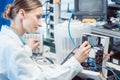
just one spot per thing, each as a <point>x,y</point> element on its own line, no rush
<point>54,17</point>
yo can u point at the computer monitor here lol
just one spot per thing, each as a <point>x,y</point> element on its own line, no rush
<point>96,9</point>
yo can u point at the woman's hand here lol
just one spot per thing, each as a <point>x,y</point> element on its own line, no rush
<point>33,43</point>
<point>82,52</point>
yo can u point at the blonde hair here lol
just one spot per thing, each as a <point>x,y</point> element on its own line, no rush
<point>27,5</point>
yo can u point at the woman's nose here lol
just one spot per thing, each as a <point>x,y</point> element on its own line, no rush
<point>39,23</point>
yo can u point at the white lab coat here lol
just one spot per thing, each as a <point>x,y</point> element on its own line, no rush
<point>15,64</point>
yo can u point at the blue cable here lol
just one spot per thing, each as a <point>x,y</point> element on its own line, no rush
<point>70,36</point>
<point>113,72</point>
<point>92,62</point>
<point>95,67</point>
<point>110,70</point>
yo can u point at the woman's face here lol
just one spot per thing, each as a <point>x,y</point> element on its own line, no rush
<point>32,20</point>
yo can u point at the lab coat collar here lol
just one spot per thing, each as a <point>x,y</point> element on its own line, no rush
<point>7,31</point>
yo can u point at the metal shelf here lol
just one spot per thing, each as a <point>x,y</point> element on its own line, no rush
<point>106,32</point>
<point>117,67</point>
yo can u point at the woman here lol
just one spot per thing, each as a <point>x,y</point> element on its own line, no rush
<point>15,63</point>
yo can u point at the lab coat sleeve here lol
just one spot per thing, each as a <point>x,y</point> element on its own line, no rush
<point>29,50</point>
<point>67,71</point>
<point>22,67</point>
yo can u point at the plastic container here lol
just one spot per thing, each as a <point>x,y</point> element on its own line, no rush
<point>63,44</point>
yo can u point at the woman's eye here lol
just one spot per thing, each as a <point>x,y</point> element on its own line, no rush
<point>38,17</point>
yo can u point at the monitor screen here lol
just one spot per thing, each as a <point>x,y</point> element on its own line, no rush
<point>91,9</point>
<point>90,6</point>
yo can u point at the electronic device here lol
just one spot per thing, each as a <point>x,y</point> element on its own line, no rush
<point>39,49</point>
<point>96,60</point>
<point>93,9</point>
<point>99,46</point>
<point>115,51</point>
<point>110,26</point>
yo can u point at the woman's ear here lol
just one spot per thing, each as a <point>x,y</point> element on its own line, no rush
<point>22,13</point>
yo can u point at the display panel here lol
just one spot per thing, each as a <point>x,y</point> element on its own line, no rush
<point>96,9</point>
<point>90,6</point>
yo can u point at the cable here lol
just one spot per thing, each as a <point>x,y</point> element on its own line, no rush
<point>69,55</point>
<point>116,76</point>
<point>108,68</point>
<point>94,64</point>
<point>50,60</point>
<point>70,36</point>
<point>46,18</point>
<point>114,73</point>
<point>95,67</point>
